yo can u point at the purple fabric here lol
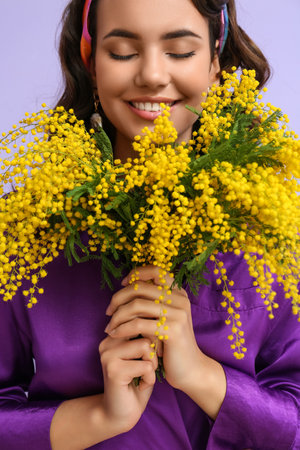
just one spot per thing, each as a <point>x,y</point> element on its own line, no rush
<point>62,332</point>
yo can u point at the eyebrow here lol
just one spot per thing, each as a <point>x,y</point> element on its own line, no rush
<point>119,32</point>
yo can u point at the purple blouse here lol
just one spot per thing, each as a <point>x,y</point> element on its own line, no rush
<point>63,331</point>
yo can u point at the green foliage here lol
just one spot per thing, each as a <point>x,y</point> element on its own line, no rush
<point>103,142</point>
<point>109,269</point>
<point>71,251</point>
<point>192,270</point>
<point>244,144</point>
<point>85,189</point>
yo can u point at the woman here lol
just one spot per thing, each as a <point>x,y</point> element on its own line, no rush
<point>143,53</point>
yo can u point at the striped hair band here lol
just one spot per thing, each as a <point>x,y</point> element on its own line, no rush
<point>224,29</point>
<point>86,40</point>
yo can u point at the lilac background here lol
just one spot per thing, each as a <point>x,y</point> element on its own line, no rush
<point>30,71</point>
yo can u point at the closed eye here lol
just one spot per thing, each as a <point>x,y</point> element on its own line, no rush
<point>121,57</point>
<point>172,55</point>
<point>181,55</point>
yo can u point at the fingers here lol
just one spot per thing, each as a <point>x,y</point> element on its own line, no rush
<point>126,350</point>
<point>144,290</point>
<point>147,291</point>
<point>136,369</point>
<point>120,362</point>
<point>147,375</point>
<point>177,323</point>
<point>134,328</point>
<point>126,313</point>
<point>132,310</point>
<point>153,273</point>
<point>109,343</point>
<point>150,273</point>
<point>123,372</point>
<point>141,316</point>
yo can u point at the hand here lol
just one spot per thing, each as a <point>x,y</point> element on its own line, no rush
<point>124,402</point>
<point>134,312</point>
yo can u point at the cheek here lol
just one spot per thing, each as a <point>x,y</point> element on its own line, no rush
<point>194,79</point>
<point>110,81</point>
<point>111,87</point>
<point>195,85</point>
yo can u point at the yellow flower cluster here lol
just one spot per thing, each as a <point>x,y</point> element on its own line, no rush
<point>57,158</point>
<point>232,188</point>
<point>167,211</point>
<point>237,335</point>
<point>218,118</point>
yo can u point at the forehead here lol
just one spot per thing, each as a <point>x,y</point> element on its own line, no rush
<point>149,17</point>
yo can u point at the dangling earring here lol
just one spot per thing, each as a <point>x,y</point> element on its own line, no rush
<point>96,119</point>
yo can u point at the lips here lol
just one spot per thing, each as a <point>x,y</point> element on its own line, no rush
<point>149,108</point>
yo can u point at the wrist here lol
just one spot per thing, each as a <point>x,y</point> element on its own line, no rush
<point>104,419</point>
<point>194,373</point>
<point>81,423</point>
<point>206,384</point>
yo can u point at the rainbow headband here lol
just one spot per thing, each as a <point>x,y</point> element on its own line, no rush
<point>224,29</point>
<point>86,40</point>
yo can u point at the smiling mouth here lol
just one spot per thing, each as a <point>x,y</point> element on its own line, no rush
<point>151,107</point>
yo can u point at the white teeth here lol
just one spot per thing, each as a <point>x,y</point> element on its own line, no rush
<point>151,107</point>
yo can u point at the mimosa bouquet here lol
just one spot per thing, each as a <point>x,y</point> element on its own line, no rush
<point>231,188</point>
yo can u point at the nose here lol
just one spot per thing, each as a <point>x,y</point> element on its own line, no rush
<point>152,70</point>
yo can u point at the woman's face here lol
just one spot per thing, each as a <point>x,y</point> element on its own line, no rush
<point>148,52</point>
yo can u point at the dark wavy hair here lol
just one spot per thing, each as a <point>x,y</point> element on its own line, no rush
<point>239,51</point>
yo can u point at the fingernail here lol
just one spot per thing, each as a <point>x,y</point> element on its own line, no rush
<point>112,332</point>
<point>107,328</point>
<point>124,282</point>
<point>108,311</point>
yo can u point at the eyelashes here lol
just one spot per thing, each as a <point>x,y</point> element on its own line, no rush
<point>181,55</point>
<point>171,55</point>
<point>121,57</point>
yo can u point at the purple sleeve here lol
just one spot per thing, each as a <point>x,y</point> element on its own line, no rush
<point>263,412</point>
<point>22,422</point>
